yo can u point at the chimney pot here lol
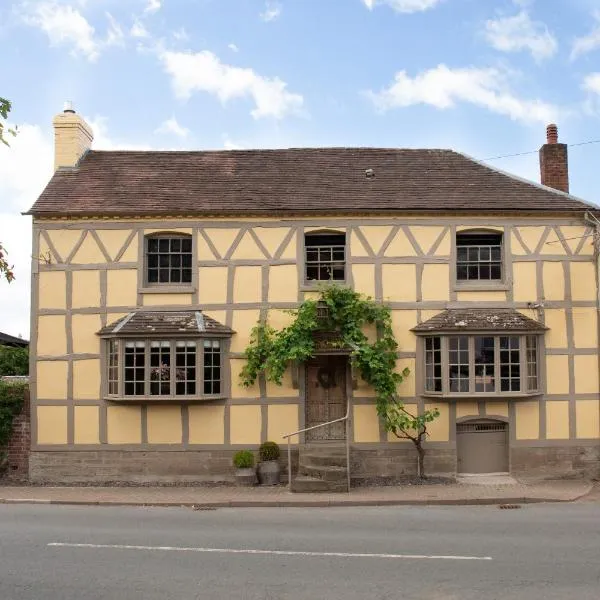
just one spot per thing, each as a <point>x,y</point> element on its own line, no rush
<point>68,107</point>
<point>554,161</point>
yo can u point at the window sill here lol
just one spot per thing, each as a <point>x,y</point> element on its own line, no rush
<point>168,289</point>
<point>501,286</point>
<point>162,399</point>
<point>314,286</point>
<point>494,396</point>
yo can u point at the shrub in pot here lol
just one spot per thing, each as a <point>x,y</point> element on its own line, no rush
<point>245,474</point>
<point>268,467</point>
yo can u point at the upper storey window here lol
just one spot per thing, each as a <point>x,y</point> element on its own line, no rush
<point>479,256</point>
<point>168,259</point>
<point>325,256</point>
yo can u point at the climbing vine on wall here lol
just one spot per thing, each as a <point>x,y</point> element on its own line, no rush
<point>347,314</point>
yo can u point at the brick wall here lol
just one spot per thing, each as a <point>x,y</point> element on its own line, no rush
<point>19,446</point>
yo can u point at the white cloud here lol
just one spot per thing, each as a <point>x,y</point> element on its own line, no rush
<point>230,144</point>
<point>153,6</point>
<point>233,47</point>
<point>138,30</point>
<point>181,35</point>
<point>518,33</point>
<point>587,43</point>
<point>443,87</point>
<point>172,127</point>
<point>404,6</point>
<point>204,72</point>
<point>25,168</point>
<point>592,83</point>
<point>272,11</point>
<point>66,26</point>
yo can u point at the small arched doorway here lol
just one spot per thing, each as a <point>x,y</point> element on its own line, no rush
<point>482,446</point>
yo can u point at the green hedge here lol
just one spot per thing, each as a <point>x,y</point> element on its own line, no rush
<point>12,396</point>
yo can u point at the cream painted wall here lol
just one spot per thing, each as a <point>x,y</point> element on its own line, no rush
<point>528,420</point>
<point>481,296</point>
<point>212,285</point>
<point>435,282</point>
<point>167,299</point>
<point>399,283</point>
<point>52,339</point>
<point>86,289</point>
<point>86,425</point>
<point>245,424</point>
<point>402,322</point>
<point>86,379</point>
<point>366,423</point>
<point>585,327</point>
<point>206,424</point>
<point>583,281</point>
<point>525,281</point>
<point>364,279</point>
<point>89,252</point>
<point>556,321</point>
<point>237,389</point>
<point>439,429</point>
<point>247,286</point>
<point>496,409</point>
<point>283,283</point>
<point>51,379</point>
<point>467,409</point>
<point>164,424</point>
<point>85,328</point>
<point>586,374</point>
<point>121,288</point>
<point>124,424</point>
<point>281,420</point>
<point>554,281</point>
<point>587,419</point>
<point>51,425</point>
<point>242,323</point>
<point>376,235</point>
<point>557,374</point>
<point>557,420</point>
<point>407,387</point>
<point>52,289</point>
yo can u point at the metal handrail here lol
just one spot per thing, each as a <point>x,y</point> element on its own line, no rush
<point>290,435</point>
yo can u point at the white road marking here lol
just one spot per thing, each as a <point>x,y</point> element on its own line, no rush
<point>269,552</point>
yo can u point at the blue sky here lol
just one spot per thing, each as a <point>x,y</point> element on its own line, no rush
<point>481,76</point>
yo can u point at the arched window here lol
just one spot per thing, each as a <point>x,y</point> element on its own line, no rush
<point>168,259</point>
<point>479,256</point>
<point>325,256</point>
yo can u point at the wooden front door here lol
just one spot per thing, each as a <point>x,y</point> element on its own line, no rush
<point>326,397</point>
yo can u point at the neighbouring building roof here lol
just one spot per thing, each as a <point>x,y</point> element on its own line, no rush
<point>142,323</point>
<point>479,319</point>
<point>11,340</point>
<point>307,180</point>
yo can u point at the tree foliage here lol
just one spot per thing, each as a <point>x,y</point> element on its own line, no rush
<point>348,314</point>
<point>14,361</point>
<point>6,270</point>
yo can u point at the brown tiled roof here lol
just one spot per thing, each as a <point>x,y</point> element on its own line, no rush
<point>479,319</point>
<point>308,180</point>
<point>11,340</point>
<point>165,322</point>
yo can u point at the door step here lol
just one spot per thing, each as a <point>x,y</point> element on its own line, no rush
<point>321,468</point>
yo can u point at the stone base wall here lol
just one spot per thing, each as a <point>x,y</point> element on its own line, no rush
<point>106,466</point>
<point>385,464</point>
<point>551,462</point>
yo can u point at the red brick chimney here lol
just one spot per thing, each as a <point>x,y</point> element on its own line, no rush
<point>554,161</point>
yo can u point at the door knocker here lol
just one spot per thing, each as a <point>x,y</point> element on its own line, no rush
<point>326,377</point>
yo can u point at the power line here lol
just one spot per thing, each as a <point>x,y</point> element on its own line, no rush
<point>536,151</point>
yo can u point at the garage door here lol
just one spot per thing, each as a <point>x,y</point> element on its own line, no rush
<point>482,447</point>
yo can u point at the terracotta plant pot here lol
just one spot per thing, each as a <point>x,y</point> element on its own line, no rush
<point>245,477</point>
<point>268,472</point>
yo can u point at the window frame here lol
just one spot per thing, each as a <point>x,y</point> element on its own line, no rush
<point>446,392</point>
<point>157,287</point>
<point>483,284</point>
<point>147,396</point>
<point>313,283</point>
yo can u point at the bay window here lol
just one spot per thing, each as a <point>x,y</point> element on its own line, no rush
<point>481,364</point>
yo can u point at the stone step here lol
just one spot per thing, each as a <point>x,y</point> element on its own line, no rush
<point>324,449</point>
<point>325,460</point>
<point>326,473</point>
<point>303,483</point>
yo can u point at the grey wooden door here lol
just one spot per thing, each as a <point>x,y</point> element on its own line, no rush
<point>326,397</point>
<point>482,447</point>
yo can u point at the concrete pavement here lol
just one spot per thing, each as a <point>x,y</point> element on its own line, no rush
<point>538,552</point>
<point>433,494</point>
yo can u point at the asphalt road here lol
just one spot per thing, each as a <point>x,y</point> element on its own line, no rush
<point>549,552</point>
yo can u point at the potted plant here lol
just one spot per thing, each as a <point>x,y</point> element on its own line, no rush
<point>245,474</point>
<point>268,467</point>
